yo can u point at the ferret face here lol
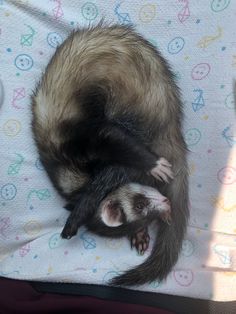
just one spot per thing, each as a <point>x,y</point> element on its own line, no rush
<point>130,203</point>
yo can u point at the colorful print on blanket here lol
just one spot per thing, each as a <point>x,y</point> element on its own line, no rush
<point>198,40</point>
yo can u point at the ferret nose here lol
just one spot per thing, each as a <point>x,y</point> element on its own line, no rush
<point>165,200</point>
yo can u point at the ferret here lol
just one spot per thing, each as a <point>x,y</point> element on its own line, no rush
<point>107,113</point>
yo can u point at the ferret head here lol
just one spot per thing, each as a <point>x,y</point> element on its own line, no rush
<point>130,203</point>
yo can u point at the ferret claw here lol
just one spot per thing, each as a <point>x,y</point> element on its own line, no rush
<point>140,240</point>
<point>162,171</point>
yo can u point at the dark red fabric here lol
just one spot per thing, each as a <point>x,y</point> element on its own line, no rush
<point>18,297</point>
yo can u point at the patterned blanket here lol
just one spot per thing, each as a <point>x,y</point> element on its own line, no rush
<point>198,38</point>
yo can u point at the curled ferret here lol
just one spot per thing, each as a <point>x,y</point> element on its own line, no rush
<point>107,113</point>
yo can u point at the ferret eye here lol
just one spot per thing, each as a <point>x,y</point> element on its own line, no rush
<point>139,207</point>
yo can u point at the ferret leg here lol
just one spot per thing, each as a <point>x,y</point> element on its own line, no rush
<point>112,144</point>
<point>140,240</point>
<point>118,146</point>
<point>89,197</point>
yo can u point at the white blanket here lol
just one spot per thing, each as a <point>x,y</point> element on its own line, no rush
<point>198,38</point>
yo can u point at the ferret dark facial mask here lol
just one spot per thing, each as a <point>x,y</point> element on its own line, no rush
<point>133,202</point>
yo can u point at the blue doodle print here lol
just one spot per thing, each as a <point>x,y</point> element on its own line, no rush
<point>89,243</point>
<point>42,195</point>
<point>55,241</point>
<point>109,275</point>
<point>24,62</point>
<point>219,5</point>
<point>14,168</point>
<point>198,102</point>
<point>228,135</point>
<point>223,254</point>
<point>176,45</point>
<point>155,284</point>
<point>39,165</point>
<point>27,39</point>
<point>124,18</point>
<point>192,136</point>
<point>89,11</point>
<point>187,248</point>
<point>229,101</point>
<point>8,191</point>
<point>54,39</point>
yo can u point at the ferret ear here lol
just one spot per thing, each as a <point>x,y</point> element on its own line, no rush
<point>111,214</point>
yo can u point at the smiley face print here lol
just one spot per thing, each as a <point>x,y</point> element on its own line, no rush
<point>229,101</point>
<point>24,62</point>
<point>89,11</point>
<point>192,136</point>
<point>219,5</point>
<point>11,127</point>
<point>187,248</point>
<point>227,175</point>
<point>183,277</point>
<point>147,13</point>
<point>200,71</point>
<point>8,191</point>
<point>54,40</point>
<point>55,241</point>
<point>176,45</point>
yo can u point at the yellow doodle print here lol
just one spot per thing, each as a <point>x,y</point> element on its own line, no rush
<point>207,40</point>
<point>32,227</point>
<point>12,127</point>
<point>147,13</point>
<point>219,203</point>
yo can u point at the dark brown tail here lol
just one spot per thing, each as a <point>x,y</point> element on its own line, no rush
<point>168,242</point>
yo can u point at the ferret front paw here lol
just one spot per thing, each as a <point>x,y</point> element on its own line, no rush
<point>70,229</point>
<point>162,171</point>
<point>140,240</point>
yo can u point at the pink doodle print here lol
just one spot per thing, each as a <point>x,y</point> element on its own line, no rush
<point>183,277</point>
<point>18,94</point>
<point>24,250</point>
<point>184,14</point>
<point>200,71</point>
<point>4,225</point>
<point>227,175</point>
<point>57,11</point>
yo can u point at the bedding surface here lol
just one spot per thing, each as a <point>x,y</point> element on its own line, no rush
<point>199,40</point>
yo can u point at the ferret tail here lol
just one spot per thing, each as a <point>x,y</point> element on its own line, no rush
<point>168,242</point>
